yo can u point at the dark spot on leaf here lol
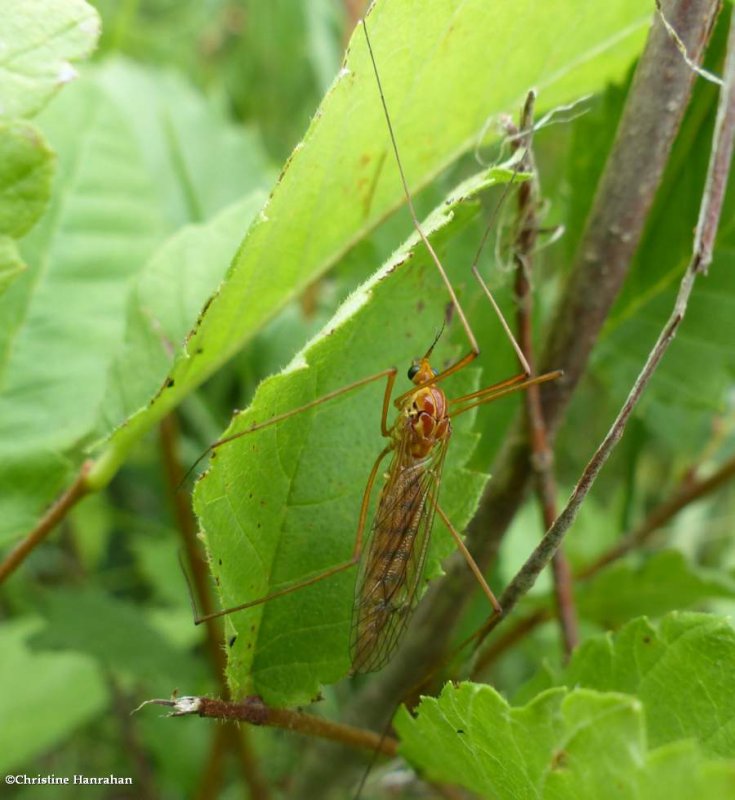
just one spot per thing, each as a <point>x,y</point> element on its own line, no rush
<point>460,730</point>
<point>216,580</point>
<point>219,561</point>
<point>646,640</point>
<point>252,629</point>
<point>250,645</point>
<point>559,759</point>
<point>232,640</point>
<point>420,306</point>
<point>169,383</point>
<point>199,351</point>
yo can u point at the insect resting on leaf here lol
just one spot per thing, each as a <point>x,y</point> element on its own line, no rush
<point>392,556</point>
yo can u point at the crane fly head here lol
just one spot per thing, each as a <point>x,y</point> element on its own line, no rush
<point>421,370</point>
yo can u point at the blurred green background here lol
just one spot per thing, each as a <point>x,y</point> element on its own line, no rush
<point>98,619</point>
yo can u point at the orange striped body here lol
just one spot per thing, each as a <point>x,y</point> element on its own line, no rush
<point>391,574</point>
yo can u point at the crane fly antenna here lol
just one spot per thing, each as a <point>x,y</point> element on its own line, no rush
<point>436,339</point>
<point>409,201</point>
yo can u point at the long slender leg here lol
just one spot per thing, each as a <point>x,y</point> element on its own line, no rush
<point>388,374</point>
<point>471,563</point>
<point>457,405</point>
<point>327,573</point>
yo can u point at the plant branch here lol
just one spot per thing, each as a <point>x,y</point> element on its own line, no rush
<point>709,217</point>
<point>180,502</point>
<point>256,712</point>
<point>654,109</point>
<point>542,454</point>
<point>55,514</point>
<point>237,739</point>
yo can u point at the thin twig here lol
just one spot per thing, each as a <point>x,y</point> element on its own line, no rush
<point>181,504</point>
<point>256,712</point>
<point>709,217</point>
<point>47,523</point>
<point>237,739</point>
<point>542,454</point>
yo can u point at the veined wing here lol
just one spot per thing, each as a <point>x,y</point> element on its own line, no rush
<point>393,563</point>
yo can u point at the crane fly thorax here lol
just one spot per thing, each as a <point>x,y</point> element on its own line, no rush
<point>427,420</point>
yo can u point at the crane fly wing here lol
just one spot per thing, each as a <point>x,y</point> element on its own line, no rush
<point>391,570</point>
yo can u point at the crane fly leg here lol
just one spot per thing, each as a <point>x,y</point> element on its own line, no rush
<point>459,405</point>
<point>388,374</point>
<point>471,563</point>
<point>327,573</point>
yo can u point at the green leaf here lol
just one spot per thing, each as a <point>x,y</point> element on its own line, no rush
<point>40,39</point>
<point>63,318</point>
<point>283,504</point>
<point>336,186</point>
<point>63,689</point>
<point>681,670</point>
<point>562,744</point>
<point>127,175</point>
<point>198,159</point>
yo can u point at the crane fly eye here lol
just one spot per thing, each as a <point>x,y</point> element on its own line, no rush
<point>412,370</point>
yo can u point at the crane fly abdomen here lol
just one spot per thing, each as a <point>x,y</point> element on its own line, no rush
<point>391,571</point>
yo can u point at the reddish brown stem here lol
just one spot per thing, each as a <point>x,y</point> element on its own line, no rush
<point>542,454</point>
<point>237,739</point>
<point>256,712</point>
<point>47,523</point>
<point>186,523</point>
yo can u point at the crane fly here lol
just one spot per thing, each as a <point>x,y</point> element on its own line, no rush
<point>392,556</point>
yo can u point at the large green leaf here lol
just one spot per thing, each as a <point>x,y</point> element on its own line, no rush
<point>63,319</point>
<point>562,744</point>
<point>681,670</point>
<point>283,504</point>
<point>440,65</point>
<point>40,40</point>
<point>65,380</point>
